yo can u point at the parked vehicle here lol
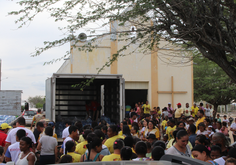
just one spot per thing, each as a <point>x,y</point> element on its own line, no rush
<point>28,115</point>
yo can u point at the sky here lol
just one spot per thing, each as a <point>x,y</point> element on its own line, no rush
<point>20,71</point>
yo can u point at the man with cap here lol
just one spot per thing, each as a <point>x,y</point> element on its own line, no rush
<point>3,133</point>
<point>170,111</point>
<point>178,113</point>
<point>233,129</point>
<point>151,138</point>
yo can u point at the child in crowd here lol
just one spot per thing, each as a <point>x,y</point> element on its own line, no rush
<point>157,153</point>
<point>70,150</point>
<point>126,153</point>
<point>141,151</point>
<point>201,129</point>
<point>118,145</point>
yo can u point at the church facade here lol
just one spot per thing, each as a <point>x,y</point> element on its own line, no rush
<point>160,76</point>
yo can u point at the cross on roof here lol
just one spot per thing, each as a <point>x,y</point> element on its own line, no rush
<point>172,92</point>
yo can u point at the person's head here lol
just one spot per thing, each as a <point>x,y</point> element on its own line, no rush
<point>136,140</point>
<point>187,105</point>
<point>159,143</point>
<point>179,105</point>
<point>224,124</point>
<point>20,122</point>
<point>151,125</point>
<point>191,129</point>
<point>49,131</point>
<point>134,130</point>
<point>68,123</point>
<point>210,106</point>
<point>129,141</point>
<point>201,104</point>
<point>215,152</point>
<point>171,123</point>
<point>122,124</point>
<point>151,138</point>
<point>166,118</point>
<point>141,149</point>
<point>104,129</point>
<point>157,153</point>
<point>232,153</point>
<point>99,134</point>
<point>5,127</point>
<point>182,138</point>
<point>118,144</point>
<point>25,143</point>
<point>73,130</point>
<point>194,105</point>
<point>180,124</point>
<point>79,125</point>
<point>219,138</point>
<point>218,125</point>
<point>200,113</point>
<point>145,122</point>
<point>66,159</point>
<point>169,105</point>
<point>70,146</point>
<point>225,117</point>
<point>86,132</point>
<point>126,130</point>
<point>20,134</point>
<point>95,143</point>
<point>51,124</point>
<point>207,122</point>
<point>201,139</point>
<point>201,152</point>
<point>133,115</point>
<point>230,161</point>
<point>148,116</point>
<point>201,127</point>
<point>207,105</point>
<point>39,111</point>
<point>14,125</point>
<point>40,126</point>
<point>218,116</point>
<point>112,131</point>
<point>126,153</point>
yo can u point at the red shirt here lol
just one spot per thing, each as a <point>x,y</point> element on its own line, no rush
<point>3,137</point>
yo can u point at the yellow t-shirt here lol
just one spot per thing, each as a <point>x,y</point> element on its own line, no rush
<point>164,124</point>
<point>112,157</point>
<point>194,110</point>
<point>155,131</point>
<point>120,133</point>
<point>109,142</point>
<point>178,112</point>
<point>171,141</point>
<point>146,108</point>
<point>159,113</point>
<point>36,118</point>
<point>75,157</point>
<point>81,147</point>
<point>169,132</point>
<point>200,120</point>
<point>81,138</point>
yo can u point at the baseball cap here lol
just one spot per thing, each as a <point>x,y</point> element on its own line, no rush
<point>169,103</point>
<point>151,136</point>
<point>51,124</point>
<point>179,104</point>
<point>5,126</point>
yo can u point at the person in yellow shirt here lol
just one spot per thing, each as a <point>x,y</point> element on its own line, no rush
<point>146,108</point>
<point>178,113</point>
<point>170,129</point>
<point>164,124</point>
<point>118,145</point>
<point>81,147</point>
<point>151,129</point>
<point>194,109</point>
<point>201,118</point>
<point>69,150</point>
<point>112,133</point>
<point>36,118</point>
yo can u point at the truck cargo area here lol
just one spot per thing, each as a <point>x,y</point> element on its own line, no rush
<point>64,102</point>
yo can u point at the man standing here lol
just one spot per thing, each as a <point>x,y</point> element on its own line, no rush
<point>207,111</point>
<point>73,130</point>
<point>146,107</point>
<point>212,112</point>
<point>194,110</point>
<point>3,133</point>
<point>36,118</point>
<point>201,118</point>
<point>178,113</point>
<point>187,110</point>
<point>65,132</point>
<point>170,111</point>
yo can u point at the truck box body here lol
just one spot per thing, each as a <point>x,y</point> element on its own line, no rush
<point>65,103</point>
<point>10,102</point>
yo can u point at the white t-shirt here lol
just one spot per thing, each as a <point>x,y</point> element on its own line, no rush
<point>233,126</point>
<point>201,133</point>
<point>165,113</point>
<point>220,161</point>
<point>11,137</point>
<point>14,150</point>
<point>65,132</point>
<point>226,120</point>
<point>64,143</point>
<point>207,112</point>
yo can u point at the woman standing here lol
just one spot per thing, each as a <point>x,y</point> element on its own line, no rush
<point>26,157</point>
<point>151,129</point>
<point>48,146</point>
<point>180,147</point>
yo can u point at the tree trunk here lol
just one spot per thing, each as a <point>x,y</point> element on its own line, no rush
<point>215,111</point>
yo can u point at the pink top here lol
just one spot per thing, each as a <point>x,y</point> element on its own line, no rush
<point>138,111</point>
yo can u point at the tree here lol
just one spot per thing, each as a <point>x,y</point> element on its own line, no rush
<point>212,84</point>
<point>208,25</point>
<point>36,101</point>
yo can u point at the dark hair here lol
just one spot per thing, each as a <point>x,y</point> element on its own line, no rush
<point>72,128</point>
<point>134,124</point>
<point>39,110</point>
<point>126,130</point>
<point>172,121</point>
<point>201,111</point>
<point>1,150</point>
<point>86,127</point>
<point>97,128</point>
<point>21,120</point>
<point>94,124</point>
<point>230,160</point>
<point>232,152</point>
<point>103,122</point>
<point>104,128</point>
<point>133,114</point>
<point>86,132</point>
<point>126,153</point>
<point>39,124</point>
<point>27,140</point>
<point>118,144</point>
<point>79,125</point>
<point>201,104</point>
<point>224,123</point>
<point>99,134</point>
<point>159,143</point>
<point>68,122</point>
<point>192,128</point>
<point>94,142</point>
<point>216,148</point>
<point>129,141</point>
<point>141,148</point>
<point>114,128</point>
<point>157,153</point>
<point>136,139</point>
<point>135,128</point>
<point>65,159</point>
<point>124,122</point>
<point>208,120</point>
<point>202,139</point>
<point>69,145</point>
<point>152,124</point>
<point>49,131</point>
<point>201,124</point>
<point>20,133</point>
<point>147,115</point>
<point>219,123</point>
<point>180,123</point>
<point>200,148</point>
<point>148,144</point>
<point>175,134</point>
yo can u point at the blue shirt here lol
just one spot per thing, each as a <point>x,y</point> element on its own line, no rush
<point>192,139</point>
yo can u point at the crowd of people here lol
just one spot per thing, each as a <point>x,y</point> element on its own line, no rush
<point>145,134</point>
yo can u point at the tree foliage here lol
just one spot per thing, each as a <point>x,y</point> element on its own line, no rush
<point>36,101</point>
<point>208,25</point>
<point>212,84</point>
